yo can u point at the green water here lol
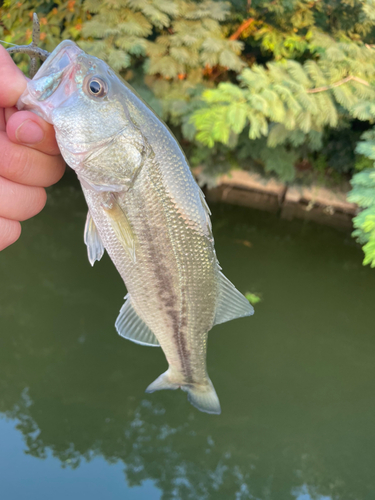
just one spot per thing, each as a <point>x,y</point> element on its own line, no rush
<point>296,381</point>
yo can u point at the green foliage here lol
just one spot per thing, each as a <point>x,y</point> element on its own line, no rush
<point>59,20</point>
<point>279,160</point>
<point>289,102</point>
<point>189,35</point>
<point>284,28</point>
<point>362,163</point>
<point>363,193</point>
<point>253,298</point>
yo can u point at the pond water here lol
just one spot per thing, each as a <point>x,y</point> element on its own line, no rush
<point>296,381</point>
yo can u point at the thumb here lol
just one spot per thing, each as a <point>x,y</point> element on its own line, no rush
<point>29,129</point>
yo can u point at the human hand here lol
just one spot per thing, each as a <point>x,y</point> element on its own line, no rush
<point>30,159</point>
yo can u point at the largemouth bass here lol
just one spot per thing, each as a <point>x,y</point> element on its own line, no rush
<point>145,209</point>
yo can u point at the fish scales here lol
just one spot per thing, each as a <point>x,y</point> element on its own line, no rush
<point>145,209</point>
<point>167,283</point>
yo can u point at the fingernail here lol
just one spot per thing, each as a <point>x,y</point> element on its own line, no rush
<point>29,132</point>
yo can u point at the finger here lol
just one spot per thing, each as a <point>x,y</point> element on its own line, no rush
<point>5,114</point>
<point>28,128</point>
<point>19,202</point>
<point>10,231</point>
<point>13,81</point>
<point>27,166</point>
<point>2,120</point>
<point>8,112</point>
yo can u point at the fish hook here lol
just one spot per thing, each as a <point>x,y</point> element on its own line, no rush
<point>32,50</point>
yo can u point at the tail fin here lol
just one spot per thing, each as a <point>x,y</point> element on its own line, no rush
<point>203,397</point>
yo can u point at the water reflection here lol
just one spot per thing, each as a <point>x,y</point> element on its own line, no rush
<point>296,381</point>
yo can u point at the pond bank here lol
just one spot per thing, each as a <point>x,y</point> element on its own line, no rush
<point>320,204</point>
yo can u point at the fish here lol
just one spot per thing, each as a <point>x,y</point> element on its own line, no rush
<point>145,209</point>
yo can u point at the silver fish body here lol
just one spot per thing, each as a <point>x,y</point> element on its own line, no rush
<point>145,209</point>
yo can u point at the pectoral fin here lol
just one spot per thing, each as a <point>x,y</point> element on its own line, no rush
<point>121,227</point>
<point>231,303</point>
<point>130,326</point>
<point>95,247</point>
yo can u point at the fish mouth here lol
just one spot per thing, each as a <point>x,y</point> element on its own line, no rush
<point>63,55</point>
<point>41,94</point>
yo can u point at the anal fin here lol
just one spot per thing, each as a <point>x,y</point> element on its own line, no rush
<point>130,326</point>
<point>231,303</point>
<point>95,247</point>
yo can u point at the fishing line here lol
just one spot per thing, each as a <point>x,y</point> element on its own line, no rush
<point>9,43</point>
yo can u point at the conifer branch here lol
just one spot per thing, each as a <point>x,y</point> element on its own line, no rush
<point>245,24</point>
<point>337,84</point>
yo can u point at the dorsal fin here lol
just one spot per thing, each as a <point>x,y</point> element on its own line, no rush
<point>207,211</point>
<point>130,326</point>
<point>231,303</point>
<point>95,247</point>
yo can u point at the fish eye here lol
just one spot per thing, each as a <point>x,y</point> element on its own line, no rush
<point>97,87</point>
